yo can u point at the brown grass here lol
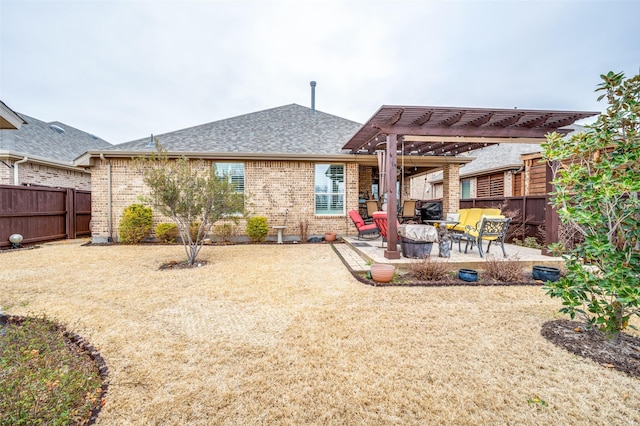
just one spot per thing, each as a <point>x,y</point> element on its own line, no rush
<point>283,334</point>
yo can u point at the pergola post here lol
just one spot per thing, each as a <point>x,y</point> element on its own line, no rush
<point>392,201</point>
<point>450,188</point>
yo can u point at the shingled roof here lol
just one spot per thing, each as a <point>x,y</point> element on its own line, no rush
<point>53,141</point>
<point>289,129</point>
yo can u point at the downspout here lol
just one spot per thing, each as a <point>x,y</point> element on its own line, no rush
<point>109,223</point>
<point>16,178</point>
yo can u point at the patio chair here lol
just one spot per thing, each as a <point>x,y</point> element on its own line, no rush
<point>380,219</point>
<point>372,207</point>
<point>366,231</point>
<point>488,229</point>
<point>408,211</point>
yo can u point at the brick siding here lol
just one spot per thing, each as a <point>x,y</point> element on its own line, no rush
<point>271,187</point>
<point>44,175</point>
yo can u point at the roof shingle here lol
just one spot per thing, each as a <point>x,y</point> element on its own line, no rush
<point>41,139</point>
<point>289,129</point>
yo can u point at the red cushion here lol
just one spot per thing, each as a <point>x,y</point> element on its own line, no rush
<point>356,218</point>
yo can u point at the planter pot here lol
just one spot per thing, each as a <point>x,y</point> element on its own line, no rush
<point>415,249</point>
<point>329,236</point>
<point>468,275</point>
<point>382,273</point>
<point>546,273</point>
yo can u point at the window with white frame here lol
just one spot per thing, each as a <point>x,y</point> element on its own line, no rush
<point>329,189</point>
<point>234,172</point>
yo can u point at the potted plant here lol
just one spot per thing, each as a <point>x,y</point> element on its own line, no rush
<point>330,236</point>
<point>382,272</point>
<point>468,275</point>
<point>546,273</point>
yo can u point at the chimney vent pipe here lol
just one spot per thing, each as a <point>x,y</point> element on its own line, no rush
<point>313,97</point>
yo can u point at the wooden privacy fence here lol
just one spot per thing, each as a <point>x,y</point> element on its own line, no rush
<point>532,210</point>
<point>43,214</point>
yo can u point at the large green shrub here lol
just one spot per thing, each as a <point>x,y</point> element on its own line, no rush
<point>135,224</point>
<point>597,181</point>
<point>257,228</point>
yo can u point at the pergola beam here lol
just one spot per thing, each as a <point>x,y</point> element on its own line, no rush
<point>470,139</point>
<point>477,132</point>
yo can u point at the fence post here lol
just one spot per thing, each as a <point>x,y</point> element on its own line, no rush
<point>71,214</point>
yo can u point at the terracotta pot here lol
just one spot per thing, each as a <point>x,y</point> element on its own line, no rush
<point>382,272</point>
<point>329,236</point>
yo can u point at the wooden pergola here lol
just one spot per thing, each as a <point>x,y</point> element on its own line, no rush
<point>448,132</point>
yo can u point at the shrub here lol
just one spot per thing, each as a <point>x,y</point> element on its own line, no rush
<point>135,224</point>
<point>257,228</point>
<point>304,230</point>
<point>167,232</point>
<point>505,270</point>
<point>427,270</point>
<point>597,181</point>
<point>225,231</point>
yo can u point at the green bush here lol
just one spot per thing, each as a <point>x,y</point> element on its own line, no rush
<point>167,232</point>
<point>257,228</point>
<point>135,224</point>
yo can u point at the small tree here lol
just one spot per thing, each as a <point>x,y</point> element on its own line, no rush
<point>597,179</point>
<point>191,194</point>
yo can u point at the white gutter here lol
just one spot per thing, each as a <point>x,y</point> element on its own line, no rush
<point>16,178</point>
<point>109,223</point>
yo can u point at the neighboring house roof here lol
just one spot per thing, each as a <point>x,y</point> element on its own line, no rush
<point>9,119</point>
<point>289,129</point>
<point>54,141</point>
<point>495,158</point>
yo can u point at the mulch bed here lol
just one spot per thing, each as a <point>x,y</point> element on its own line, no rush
<point>174,264</point>
<point>407,281</point>
<point>622,355</point>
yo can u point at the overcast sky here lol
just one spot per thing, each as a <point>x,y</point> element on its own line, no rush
<point>125,69</point>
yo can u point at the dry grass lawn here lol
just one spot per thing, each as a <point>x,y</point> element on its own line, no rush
<point>285,335</point>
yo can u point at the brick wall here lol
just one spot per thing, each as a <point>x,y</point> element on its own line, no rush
<point>271,187</point>
<point>38,174</point>
<point>451,200</point>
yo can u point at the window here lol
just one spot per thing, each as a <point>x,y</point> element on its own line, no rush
<point>466,189</point>
<point>329,189</point>
<point>234,172</point>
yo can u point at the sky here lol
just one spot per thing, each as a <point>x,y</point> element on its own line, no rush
<point>123,70</point>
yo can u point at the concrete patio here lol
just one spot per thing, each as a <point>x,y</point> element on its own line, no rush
<point>360,253</point>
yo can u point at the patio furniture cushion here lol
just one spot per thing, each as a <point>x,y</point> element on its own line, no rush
<point>471,217</point>
<point>490,229</point>
<point>380,219</point>
<point>364,230</point>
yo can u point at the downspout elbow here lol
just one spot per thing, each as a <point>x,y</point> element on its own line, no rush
<point>16,177</point>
